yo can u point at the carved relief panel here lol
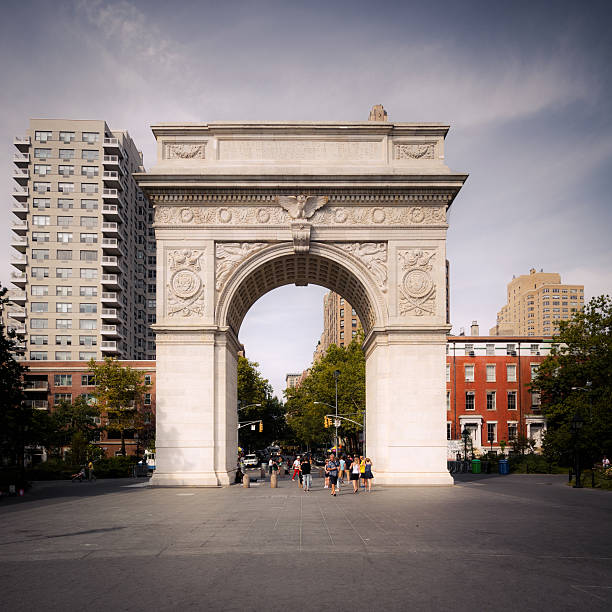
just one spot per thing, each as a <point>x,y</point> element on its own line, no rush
<point>417,286</point>
<point>185,289</point>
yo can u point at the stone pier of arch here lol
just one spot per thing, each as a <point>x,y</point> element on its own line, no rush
<point>242,208</point>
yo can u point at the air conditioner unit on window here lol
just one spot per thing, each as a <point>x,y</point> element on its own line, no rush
<point>471,353</point>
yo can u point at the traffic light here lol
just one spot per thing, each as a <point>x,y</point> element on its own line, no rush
<point>326,421</point>
<point>260,426</point>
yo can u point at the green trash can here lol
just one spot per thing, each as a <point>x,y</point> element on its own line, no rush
<point>475,466</point>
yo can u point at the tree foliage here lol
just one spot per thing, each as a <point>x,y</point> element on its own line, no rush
<point>119,393</point>
<point>69,419</point>
<point>576,380</point>
<point>307,418</point>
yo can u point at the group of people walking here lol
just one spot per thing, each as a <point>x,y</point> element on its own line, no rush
<point>337,471</point>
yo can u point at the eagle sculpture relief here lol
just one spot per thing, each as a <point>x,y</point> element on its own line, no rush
<point>302,207</point>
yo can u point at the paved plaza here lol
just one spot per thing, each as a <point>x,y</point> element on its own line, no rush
<point>521,542</point>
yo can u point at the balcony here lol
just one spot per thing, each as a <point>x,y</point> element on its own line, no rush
<point>111,178</point>
<point>20,209</point>
<point>110,263</point>
<point>111,281</point>
<point>108,346</point>
<point>19,314</point>
<point>19,261</point>
<point>111,211</point>
<point>22,142</point>
<point>111,161</point>
<point>110,194</point>
<point>110,298</point>
<point>111,330</point>
<point>21,159</point>
<point>110,228</point>
<point>20,227</point>
<point>36,385</point>
<point>18,297</point>
<point>20,243</point>
<point>21,175</point>
<point>111,146</point>
<point>37,404</point>
<point>111,245</point>
<point>19,278</point>
<point>20,329</point>
<point>20,192</point>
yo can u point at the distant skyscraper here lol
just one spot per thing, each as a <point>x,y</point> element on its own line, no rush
<point>340,323</point>
<point>85,261</point>
<point>536,303</point>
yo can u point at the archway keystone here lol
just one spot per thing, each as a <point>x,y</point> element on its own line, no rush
<point>243,208</point>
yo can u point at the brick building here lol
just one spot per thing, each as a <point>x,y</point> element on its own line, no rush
<point>49,382</point>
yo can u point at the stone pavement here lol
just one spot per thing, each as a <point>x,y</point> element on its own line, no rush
<point>505,543</point>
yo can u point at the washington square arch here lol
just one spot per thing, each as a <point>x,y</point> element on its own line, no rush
<point>242,208</point>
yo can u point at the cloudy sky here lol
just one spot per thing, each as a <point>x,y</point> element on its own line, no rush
<point>525,86</point>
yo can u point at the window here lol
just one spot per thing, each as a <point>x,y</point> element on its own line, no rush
<point>88,308</point>
<point>64,255</point>
<point>64,203</point>
<point>448,402</point>
<point>469,400</point>
<point>341,322</point>
<point>536,400</point>
<point>63,272</point>
<point>39,307</point>
<point>448,430</point>
<point>88,380</point>
<point>86,356</point>
<point>63,397</point>
<point>40,253</point>
<point>63,340</point>
<point>535,349</point>
<point>511,349</point>
<point>354,323</point>
<point>341,301</point>
<point>63,324</point>
<point>38,355</point>
<point>41,187</point>
<point>490,349</point>
<point>89,171</point>
<point>491,400</point>
<point>87,324</point>
<point>490,373</point>
<point>342,312</point>
<point>89,238</point>
<point>469,373</point>
<point>63,380</point>
<point>512,431</point>
<point>448,372</point>
<point>39,323</point>
<point>90,154</point>
<point>89,204</point>
<point>42,169</point>
<point>40,273</point>
<point>65,187</point>
<point>42,153</point>
<point>342,335</point>
<point>41,220</point>
<point>41,203</point>
<point>353,333</point>
<point>511,400</point>
<point>39,340</point>
<point>89,221</point>
<point>88,291</point>
<point>511,373</point>
<point>89,273</point>
<point>64,220</point>
<point>63,307</point>
<point>534,370</point>
<point>147,399</point>
<point>40,236</point>
<point>147,379</point>
<point>151,304</point>
<point>87,340</point>
<point>89,187</point>
<point>63,291</point>
<point>66,153</point>
<point>89,255</point>
<point>91,137</point>
<point>39,290</point>
<point>66,137</point>
<point>64,237</point>
<point>491,432</point>
<point>65,170</point>
<point>42,135</point>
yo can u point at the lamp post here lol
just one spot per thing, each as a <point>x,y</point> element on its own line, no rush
<point>336,421</point>
<point>465,435</point>
<point>576,426</point>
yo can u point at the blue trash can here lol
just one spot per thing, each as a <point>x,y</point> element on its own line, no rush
<point>504,467</point>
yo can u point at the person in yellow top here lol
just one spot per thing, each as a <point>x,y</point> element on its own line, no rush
<point>362,465</point>
<point>90,471</point>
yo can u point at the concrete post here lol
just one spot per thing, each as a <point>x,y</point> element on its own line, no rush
<point>274,480</point>
<point>246,481</point>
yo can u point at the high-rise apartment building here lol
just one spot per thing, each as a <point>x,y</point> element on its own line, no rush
<point>340,323</point>
<point>85,262</point>
<point>536,303</point>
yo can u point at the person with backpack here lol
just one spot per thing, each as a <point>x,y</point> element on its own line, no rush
<point>367,474</point>
<point>332,471</point>
<point>305,473</point>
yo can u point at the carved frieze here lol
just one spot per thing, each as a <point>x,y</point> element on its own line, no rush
<point>185,289</point>
<point>185,150</point>
<point>417,289</point>
<point>329,215</point>
<point>373,255</point>
<point>229,255</point>
<point>414,150</point>
<point>301,206</point>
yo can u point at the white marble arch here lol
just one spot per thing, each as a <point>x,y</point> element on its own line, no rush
<point>242,208</point>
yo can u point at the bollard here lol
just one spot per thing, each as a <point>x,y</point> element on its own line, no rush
<point>246,481</point>
<point>274,480</point>
<point>263,472</point>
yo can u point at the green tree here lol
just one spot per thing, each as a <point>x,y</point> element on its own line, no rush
<point>69,419</point>
<point>119,394</point>
<point>575,380</point>
<point>306,418</point>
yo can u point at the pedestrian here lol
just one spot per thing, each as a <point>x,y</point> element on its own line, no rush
<point>605,463</point>
<point>362,471</point>
<point>354,468</point>
<point>326,475</point>
<point>367,474</point>
<point>270,464</point>
<point>341,473</point>
<point>296,468</point>
<point>332,470</point>
<point>306,475</point>
<point>90,470</point>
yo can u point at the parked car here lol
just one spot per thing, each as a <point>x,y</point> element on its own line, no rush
<point>251,461</point>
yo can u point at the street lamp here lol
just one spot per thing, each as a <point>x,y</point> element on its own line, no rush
<point>576,426</point>
<point>336,421</point>
<point>466,436</point>
<point>245,407</point>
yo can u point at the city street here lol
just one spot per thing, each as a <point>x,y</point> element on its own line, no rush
<point>524,542</point>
